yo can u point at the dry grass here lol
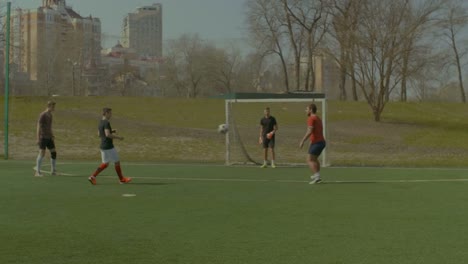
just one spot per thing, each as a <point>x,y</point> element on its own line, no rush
<point>183,130</point>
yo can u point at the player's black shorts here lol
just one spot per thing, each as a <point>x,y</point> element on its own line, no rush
<point>268,143</point>
<point>46,143</point>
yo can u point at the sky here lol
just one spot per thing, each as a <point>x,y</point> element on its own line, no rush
<point>221,21</point>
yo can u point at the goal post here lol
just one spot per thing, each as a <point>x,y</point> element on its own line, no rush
<point>243,112</point>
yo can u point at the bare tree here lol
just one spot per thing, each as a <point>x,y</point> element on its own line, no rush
<point>250,67</point>
<point>312,16</point>
<point>196,67</point>
<point>173,74</point>
<point>296,33</point>
<point>344,20</point>
<point>416,54</point>
<point>377,48</point>
<point>456,19</point>
<point>227,67</point>
<point>187,63</point>
<point>265,22</point>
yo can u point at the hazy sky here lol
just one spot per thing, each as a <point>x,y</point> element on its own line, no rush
<point>217,20</point>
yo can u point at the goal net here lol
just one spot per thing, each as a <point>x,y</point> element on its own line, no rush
<point>243,114</point>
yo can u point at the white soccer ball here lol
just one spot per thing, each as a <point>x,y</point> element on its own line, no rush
<point>223,128</point>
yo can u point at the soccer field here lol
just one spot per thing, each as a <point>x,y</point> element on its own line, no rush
<point>217,214</point>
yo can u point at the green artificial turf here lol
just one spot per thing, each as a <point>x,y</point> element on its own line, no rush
<point>217,214</point>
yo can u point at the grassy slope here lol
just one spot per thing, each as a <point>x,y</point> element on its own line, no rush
<point>410,134</point>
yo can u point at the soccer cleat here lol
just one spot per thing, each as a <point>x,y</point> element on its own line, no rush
<point>38,174</point>
<point>315,180</point>
<point>273,165</point>
<point>54,173</point>
<point>263,166</point>
<point>92,180</point>
<point>125,180</point>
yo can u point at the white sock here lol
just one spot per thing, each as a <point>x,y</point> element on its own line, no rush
<point>264,162</point>
<point>39,163</point>
<point>272,161</point>
<point>52,164</point>
<point>317,175</point>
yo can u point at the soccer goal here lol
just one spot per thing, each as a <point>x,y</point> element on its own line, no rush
<point>243,113</point>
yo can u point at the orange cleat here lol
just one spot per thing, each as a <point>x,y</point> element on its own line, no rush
<point>92,180</point>
<point>125,180</point>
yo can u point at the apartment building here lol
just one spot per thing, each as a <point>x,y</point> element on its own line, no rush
<point>142,31</point>
<point>53,45</point>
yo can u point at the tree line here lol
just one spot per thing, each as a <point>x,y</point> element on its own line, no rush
<point>383,50</point>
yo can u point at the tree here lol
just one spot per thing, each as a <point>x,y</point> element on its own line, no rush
<point>173,78</point>
<point>226,67</point>
<point>344,20</point>
<point>456,19</point>
<point>196,67</point>
<point>377,48</point>
<point>415,53</point>
<point>185,66</point>
<point>312,16</point>
<point>250,67</point>
<point>265,22</point>
<point>296,34</point>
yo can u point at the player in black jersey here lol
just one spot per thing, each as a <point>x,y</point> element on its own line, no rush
<point>268,128</point>
<point>108,152</point>
<point>45,139</point>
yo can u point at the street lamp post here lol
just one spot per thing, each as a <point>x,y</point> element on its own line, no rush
<point>73,64</point>
<point>73,78</point>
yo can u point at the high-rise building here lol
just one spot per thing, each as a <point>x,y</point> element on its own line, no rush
<point>142,31</point>
<point>52,44</point>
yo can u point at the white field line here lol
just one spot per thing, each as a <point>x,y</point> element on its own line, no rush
<point>239,166</point>
<point>272,180</point>
<point>299,181</point>
<point>58,173</point>
<point>280,181</point>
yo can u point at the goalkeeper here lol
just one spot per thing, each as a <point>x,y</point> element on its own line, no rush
<point>268,128</point>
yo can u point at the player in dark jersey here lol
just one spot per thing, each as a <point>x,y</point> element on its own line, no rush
<point>45,139</point>
<point>317,142</point>
<point>108,152</point>
<point>268,128</point>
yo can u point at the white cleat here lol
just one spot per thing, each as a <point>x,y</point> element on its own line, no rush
<point>315,180</point>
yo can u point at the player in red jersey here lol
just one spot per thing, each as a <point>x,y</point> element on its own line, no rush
<point>317,142</point>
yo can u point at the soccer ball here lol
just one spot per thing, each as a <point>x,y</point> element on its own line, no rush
<point>223,128</point>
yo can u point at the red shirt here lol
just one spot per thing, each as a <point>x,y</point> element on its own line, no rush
<point>317,130</point>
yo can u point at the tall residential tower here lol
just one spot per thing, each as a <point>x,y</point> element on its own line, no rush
<point>142,31</point>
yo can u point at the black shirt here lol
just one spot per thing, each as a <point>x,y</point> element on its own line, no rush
<point>45,125</point>
<point>106,143</point>
<point>268,124</point>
